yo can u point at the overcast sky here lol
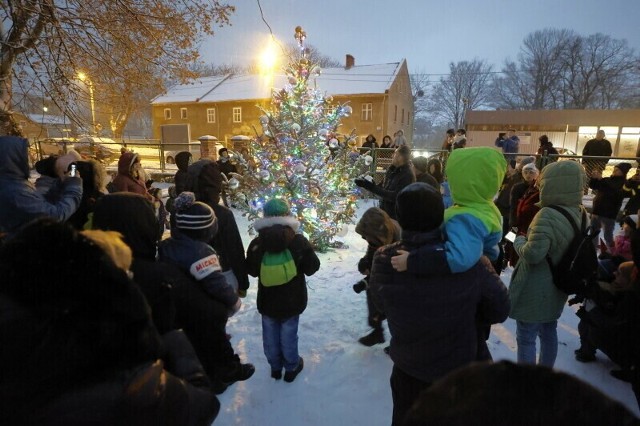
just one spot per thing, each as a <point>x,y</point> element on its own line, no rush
<point>429,34</point>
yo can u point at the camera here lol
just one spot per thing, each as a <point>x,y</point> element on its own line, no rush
<point>360,286</point>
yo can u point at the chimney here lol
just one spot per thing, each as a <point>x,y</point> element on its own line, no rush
<point>350,61</point>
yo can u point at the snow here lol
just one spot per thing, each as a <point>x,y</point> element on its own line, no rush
<point>361,79</point>
<point>343,382</point>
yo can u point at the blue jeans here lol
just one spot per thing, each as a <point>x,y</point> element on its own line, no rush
<point>280,342</point>
<point>526,334</point>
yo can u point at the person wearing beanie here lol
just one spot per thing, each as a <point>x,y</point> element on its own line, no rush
<point>20,202</point>
<point>608,200</point>
<point>181,178</point>
<point>536,302</point>
<point>608,261</point>
<point>425,346</point>
<point>397,176</point>
<point>473,225</point>
<point>378,230</point>
<point>524,206</point>
<point>281,257</point>
<point>420,168</point>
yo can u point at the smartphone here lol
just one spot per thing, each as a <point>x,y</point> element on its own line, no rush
<point>511,236</point>
<point>72,172</point>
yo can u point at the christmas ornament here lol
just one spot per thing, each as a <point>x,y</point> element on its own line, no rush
<point>368,160</point>
<point>295,127</point>
<point>233,184</point>
<point>299,169</point>
<point>333,143</point>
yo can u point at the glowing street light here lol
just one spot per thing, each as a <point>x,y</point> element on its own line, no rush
<point>269,58</point>
<point>85,78</point>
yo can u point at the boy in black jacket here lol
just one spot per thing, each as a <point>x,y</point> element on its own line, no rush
<point>281,258</point>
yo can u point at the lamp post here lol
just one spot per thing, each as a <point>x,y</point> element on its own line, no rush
<point>84,78</point>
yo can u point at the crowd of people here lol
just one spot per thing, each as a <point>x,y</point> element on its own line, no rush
<point>115,325</point>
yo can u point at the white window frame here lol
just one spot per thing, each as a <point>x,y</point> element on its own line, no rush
<point>366,113</point>
<point>167,113</point>
<point>183,114</point>
<point>237,114</point>
<point>211,115</point>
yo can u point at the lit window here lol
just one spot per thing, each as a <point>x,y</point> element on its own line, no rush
<point>367,112</point>
<point>167,113</point>
<point>237,115</point>
<point>183,113</point>
<point>211,115</point>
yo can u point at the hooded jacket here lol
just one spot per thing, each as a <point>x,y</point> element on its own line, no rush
<point>375,226</point>
<point>276,234</point>
<point>124,181</point>
<point>433,320</point>
<point>473,225</point>
<point>534,297</point>
<point>20,203</point>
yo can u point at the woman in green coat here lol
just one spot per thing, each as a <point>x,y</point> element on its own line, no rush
<point>536,303</point>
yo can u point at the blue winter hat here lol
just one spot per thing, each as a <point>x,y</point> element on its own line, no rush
<point>276,207</point>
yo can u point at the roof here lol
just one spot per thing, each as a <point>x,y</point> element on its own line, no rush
<point>616,117</point>
<point>360,79</point>
<point>48,119</point>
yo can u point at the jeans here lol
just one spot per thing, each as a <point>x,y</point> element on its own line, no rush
<point>280,342</point>
<point>526,334</point>
<point>607,226</point>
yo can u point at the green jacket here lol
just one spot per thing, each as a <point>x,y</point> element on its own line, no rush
<point>534,297</point>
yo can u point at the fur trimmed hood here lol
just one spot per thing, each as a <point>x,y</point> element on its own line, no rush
<point>267,222</point>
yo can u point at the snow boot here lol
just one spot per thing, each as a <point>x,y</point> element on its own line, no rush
<point>290,376</point>
<point>276,374</point>
<point>373,338</point>
<point>584,356</point>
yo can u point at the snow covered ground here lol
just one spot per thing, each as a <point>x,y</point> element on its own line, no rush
<point>343,382</point>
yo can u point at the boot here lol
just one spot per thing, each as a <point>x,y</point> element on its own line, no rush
<point>290,376</point>
<point>373,338</point>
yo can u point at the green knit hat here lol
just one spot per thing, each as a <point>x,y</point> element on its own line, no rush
<point>276,207</point>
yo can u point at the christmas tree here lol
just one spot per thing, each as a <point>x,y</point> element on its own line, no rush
<point>302,157</point>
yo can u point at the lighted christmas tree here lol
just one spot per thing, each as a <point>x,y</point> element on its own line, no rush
<point>302,157</point>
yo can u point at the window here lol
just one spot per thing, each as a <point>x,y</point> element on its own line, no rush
<point>211,115</point>
<point>183,113</point>
<point>167,113</point>
<point>402,116</point>
<point>367,112</point>
<point>237,115</point>
<point>395,113</point>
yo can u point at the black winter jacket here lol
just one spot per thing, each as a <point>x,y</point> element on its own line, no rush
<point>608,199</point>
<point>228,244</point>
<point>395,179</point>
<point>181,179</point>
<point>433,320</point>
<point>290,299</point>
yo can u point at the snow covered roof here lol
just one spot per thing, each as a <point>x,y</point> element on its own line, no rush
<point>360,79</point>
<point>48,119</point>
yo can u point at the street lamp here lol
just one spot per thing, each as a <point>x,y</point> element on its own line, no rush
<point>85,78</point>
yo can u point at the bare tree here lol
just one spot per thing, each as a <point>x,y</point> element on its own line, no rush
<point>466,87</point>
<point>50,41</point>
<point>559,69</point>
<point>419,87</point>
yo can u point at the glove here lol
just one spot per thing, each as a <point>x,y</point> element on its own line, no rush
<point>363,183</point>
<point>242,293</point>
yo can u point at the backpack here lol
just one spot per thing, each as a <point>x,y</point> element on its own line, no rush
<point>579,263</point>
<point>277,268</point>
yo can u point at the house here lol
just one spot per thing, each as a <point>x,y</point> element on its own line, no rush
<point>227,106</point>
<point>568,129</point>
<point>44,126</point>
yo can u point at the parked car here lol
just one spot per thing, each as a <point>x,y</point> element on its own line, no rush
<point>104,150</point>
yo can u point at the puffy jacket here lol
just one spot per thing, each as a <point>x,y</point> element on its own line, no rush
<point>433,320</point>
<point>20,202</point>
<point>200,261</point>
<point>534,297</point>
<point>275,234</point>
